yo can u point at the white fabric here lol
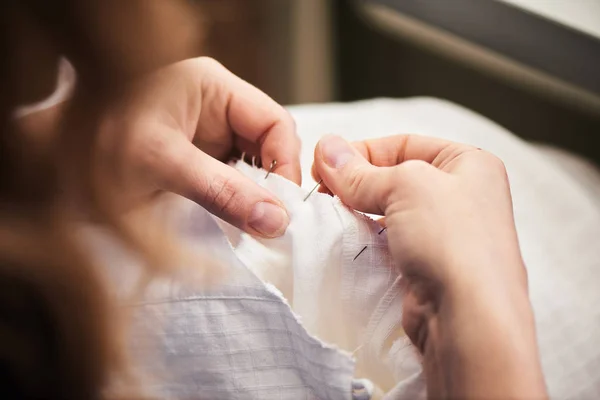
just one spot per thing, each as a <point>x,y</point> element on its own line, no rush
<point>237,340</point>
<point>557,218</point>
<point>234,341</point>
<point>556,200</point>
<point>581,171</point>
<point>351,302</point>
<point>242,339</point>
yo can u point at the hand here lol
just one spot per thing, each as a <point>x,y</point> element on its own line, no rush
<point>182,121</point>
<point>451,230</point>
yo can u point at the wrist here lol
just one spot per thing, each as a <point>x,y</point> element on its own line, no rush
<point>481,342</point>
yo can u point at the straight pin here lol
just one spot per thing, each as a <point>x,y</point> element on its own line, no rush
<point>359,253</point>
<point>364,248</point>
<point>273,165</point>
<point>313,189</point>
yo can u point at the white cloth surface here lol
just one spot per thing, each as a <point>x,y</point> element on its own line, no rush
<point>349,301</point>
<point>557,218</point>
<point>556,200</point>
<point>242,341</point>
<point>238,340</point>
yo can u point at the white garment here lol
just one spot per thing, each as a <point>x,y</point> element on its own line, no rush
<point>558,222</point>
<point>342,303</point>
<point>557,216</point>
<point>237,340</point>
<point>352,302</point>
<point>241,341</point>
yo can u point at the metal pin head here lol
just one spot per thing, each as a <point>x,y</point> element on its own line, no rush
<point>313,189</point>
<point>271,168</point>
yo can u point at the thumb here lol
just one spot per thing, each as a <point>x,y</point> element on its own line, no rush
<point>222,190</point>
<point>351,177</point>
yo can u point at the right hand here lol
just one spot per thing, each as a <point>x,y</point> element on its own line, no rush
<point>451,230</point>
<point>447,206</point>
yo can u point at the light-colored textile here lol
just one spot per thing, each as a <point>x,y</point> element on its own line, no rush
<point>557,218</point>
<point>239,340</point>
<point>242,339</point>
<point>558,222</point>
<point>352,302</point>
<point>340,302</point>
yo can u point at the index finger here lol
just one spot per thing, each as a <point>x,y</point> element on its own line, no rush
<point>393,150</point>
<point>254,116</point>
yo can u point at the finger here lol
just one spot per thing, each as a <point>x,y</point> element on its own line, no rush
<point>254,116</point>
<point>322,186</point>
<point>314,173</point>
<point>394,150</point>
<point>223,191</point>
<point>246,146</point>
<point>442,154</point>
<point>350,176</point>
<point>324,189</point>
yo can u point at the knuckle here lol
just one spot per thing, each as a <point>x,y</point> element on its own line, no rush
<point>491,162</point>
<point>222,198</point>
<point>409,179</point>
<point>290,121</point>
<point>355,181</point>
<point>209,62</point>
<point>412,169</point>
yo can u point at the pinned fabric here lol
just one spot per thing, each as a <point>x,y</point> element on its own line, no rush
<point>243,341</point>
<point>294,317</point>
<point>334,268</point>
<point>236,340</point>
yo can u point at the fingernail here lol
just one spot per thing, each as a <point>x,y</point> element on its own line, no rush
<point>268,219</point>
<point>336,151</point>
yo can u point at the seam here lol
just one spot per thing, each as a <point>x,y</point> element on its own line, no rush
<point>194,298</point>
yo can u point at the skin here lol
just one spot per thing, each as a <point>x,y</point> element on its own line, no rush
<point>447,206</point>
<point>184,122</point>
<point>174,125</point>
<point>448,211</point>
<point>175,130</point>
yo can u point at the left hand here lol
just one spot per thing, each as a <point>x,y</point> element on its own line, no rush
<point>182,122</point>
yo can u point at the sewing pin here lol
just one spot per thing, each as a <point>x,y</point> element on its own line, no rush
<point>359,253</point>
<point>313,189</point>
<point>364,248</point>
<point>243,156</point>
<point>273,165</point>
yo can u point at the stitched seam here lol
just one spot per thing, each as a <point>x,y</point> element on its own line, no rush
<point>194,298</point>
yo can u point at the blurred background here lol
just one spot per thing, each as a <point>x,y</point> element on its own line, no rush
<point>532,66</point>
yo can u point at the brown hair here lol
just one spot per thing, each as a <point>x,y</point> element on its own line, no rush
<point>58,332</point>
